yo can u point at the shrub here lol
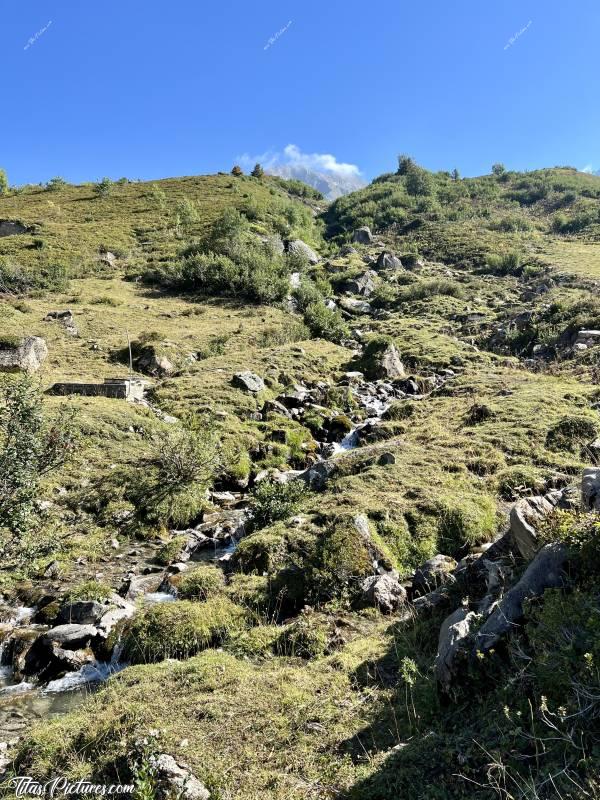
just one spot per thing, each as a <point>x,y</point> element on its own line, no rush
<point>103,188</point>
<point>170,550</point>
<point>424,289</point>
<point>505,264</point>
<point>399,410</point>
<point>54,184</point>
<point>326,322</point>
<point>200,583</point>
<point>237,171</point>
<point>30,448</point>
<point>181,628</point>
<point>271,501</point>
<point>498,169</point>
<point>3,182</point>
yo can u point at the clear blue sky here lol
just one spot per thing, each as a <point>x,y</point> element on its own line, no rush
<point>148,89</point>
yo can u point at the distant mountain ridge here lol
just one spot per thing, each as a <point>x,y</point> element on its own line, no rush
<point>329,184</point>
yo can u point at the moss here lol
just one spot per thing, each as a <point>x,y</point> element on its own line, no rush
<point>200,583</point>
<point>517,480</point>
<point>260,642</point>
<point>181,628</point>
<point>465,522</point>
<point>303,638</point>
<point>572,433</point>
<point>264,551</point>
<point>91,590</point>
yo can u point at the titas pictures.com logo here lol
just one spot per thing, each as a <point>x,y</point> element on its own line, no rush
<point>24,786</point>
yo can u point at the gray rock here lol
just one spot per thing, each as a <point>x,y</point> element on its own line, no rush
<point>433,573</point>
<point>546,571</point>
<point>138,585</point>
<point>178,780</point>
<point>82,612</point>
<point>248,381</point>
<point>25,357</point>
<point>300,248</point>
<point>362,235</point>
<point>152,363</point>
<point>11,227</point>
<point>525,515</point>
<point>388,260</point>
<point>71,636</point>
<point>385,459</point>
<point>355,307</point>
<point>454,632</point>
<point>386,364</point>
<point>590,489</point>
<point>318,476</point>
<point>384,592</point>
<point>363,284</point>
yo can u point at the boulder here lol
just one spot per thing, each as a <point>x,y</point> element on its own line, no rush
<point>454,631</point>
<point>138,585</point>
<point>363,284</point>
<point>387,364</point>
<point>386,459</point>
<point>300,248</point>
<point>27,356</point>
<point>177,780</point>
<point>384,592</point>
<point>388,260</point>
<point>152,363</point>
<point>11,227</point>
<point>71,636</point>
<point>362,235</point>
<point>355,307</point>
<point>248,381</point>
<point>524,516</point>
<point>546,571</point>
<point>590,489</point>
<point>83,612</point>
<point>317,477</point>
<point>433,573</point>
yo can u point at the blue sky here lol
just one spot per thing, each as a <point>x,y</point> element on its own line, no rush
<point>148,89</point>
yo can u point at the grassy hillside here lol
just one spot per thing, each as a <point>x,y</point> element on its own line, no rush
<point>301,691</point>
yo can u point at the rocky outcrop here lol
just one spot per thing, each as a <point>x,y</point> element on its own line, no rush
<point>453,635</point>
<point>150,362</point>
<point>363,284</point>
<point>546,571</point>
<point>12,227</point>
<point>384,592</point>
<point>300,248</point>
<point>590,489</point>
<point>26,356</point>
<point>525,515</point>
<point>433,573</point>
<point>362,235</point>
<point>355,307</point>
<point>248,381</point>
<point>387,260</point>
<point>177,780</point>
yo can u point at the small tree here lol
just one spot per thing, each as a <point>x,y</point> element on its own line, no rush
<point>405,164</point>
<point>30,448</point>
<point>258,171</point>
<point>237,171</point>
<point>498,169</point>
<point>3,182</point>
<point>56,183</point>
<point>455,174</point>
<point>104,187</point>
<point>419,182</point>
<point>187,214</point>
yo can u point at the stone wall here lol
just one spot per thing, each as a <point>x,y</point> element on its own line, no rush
<point>116,388</point>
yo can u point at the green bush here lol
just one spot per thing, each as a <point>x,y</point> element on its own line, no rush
<point>271,501</point>
<point>170,550</point>
<point>180,629</point>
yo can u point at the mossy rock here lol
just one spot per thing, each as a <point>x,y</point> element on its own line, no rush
<point>199,583</point>
<point>171,550</point>
<point>303,638</point>
<point>181,628</point>
<point>264,551</point>
<point>464,522</point>
<point>258,643</point>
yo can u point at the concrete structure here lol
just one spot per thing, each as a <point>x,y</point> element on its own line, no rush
<point>130,389</point>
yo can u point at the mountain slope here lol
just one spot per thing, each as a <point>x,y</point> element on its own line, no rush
<point>331,185</point>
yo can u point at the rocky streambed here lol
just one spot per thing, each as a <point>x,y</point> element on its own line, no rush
<point>55,650</point>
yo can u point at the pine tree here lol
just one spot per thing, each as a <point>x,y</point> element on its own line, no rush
<point>3,182</point>
<point>258,171</point>
<point>455,174</point>
<point>237,171</point>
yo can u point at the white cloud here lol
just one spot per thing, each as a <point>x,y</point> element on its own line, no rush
<point>589,168</point>
<point>292,155</point>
